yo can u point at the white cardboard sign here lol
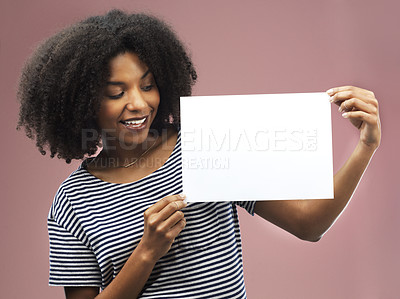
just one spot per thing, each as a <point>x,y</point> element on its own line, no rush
<point>257,147</point>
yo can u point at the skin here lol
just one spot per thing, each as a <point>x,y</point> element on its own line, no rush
<point>163,221</point>
<point>131,92</point>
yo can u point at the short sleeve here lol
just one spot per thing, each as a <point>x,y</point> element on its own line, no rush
<point>247,205</point>
<point>71,262</point>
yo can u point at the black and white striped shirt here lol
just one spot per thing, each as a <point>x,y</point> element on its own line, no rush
<point>95,225</point>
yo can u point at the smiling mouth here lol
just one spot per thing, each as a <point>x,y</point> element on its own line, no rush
<point>135,123</point>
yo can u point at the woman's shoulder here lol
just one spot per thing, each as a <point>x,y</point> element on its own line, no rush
<point>78,183</point>
<point>77,176</point>
<point>75,180</point>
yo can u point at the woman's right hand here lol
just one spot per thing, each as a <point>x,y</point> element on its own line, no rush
<point>163,222</point>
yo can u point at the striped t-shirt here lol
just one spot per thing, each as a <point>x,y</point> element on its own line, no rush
<point>95,225</point>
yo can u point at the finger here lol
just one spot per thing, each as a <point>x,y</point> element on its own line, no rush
<point>363,91</point>
<point>350,92</point>
<point>340,97</point>
<point>356,104</point>
<point>361,115</point>
<point>170,209</point>
<point>154,219</point>
<point>158,206</point>
<point>172,220</point>
<point>176,229</point>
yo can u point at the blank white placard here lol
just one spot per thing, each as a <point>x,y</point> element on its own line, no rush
<point>256,147</point>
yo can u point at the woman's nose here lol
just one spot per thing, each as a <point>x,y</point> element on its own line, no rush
<point>135,101</point>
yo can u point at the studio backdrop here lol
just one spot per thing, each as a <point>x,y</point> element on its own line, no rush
<point>238,47</point>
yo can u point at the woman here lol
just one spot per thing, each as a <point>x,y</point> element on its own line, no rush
<point>120,222</point>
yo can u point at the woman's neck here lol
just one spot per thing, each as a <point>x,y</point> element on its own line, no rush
<point>108,168</point>
<point>114,155</point>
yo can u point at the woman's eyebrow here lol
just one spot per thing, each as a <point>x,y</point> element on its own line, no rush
<point>145,74</point>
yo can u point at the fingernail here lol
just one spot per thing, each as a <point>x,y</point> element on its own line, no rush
<point>340,109</point>
<point>330,91</point>
<point>183,196</point>
<point>345,115</point>
<point>331,99</point>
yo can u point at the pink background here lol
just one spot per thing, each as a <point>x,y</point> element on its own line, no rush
<point>238,47</point>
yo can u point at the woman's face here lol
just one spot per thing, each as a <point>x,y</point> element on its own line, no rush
<point>129,103</point>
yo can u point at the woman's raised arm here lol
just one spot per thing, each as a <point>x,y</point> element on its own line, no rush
<point>310,219</point>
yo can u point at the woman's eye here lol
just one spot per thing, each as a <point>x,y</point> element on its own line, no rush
<point>118,96</point>
<point>147,87</point>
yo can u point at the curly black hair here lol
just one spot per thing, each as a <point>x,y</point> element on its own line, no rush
<point>61,84</point>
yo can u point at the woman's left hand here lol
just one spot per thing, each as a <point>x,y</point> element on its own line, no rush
<point>361,107</point>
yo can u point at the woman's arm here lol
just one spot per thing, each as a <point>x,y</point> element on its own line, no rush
<point>163,222</point>
<point>81,292</point>
<point>310,219</point>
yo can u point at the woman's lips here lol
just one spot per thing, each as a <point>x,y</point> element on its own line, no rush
<point>135,123</point>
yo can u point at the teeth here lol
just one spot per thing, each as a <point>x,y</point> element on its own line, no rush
<point>135,122</point>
